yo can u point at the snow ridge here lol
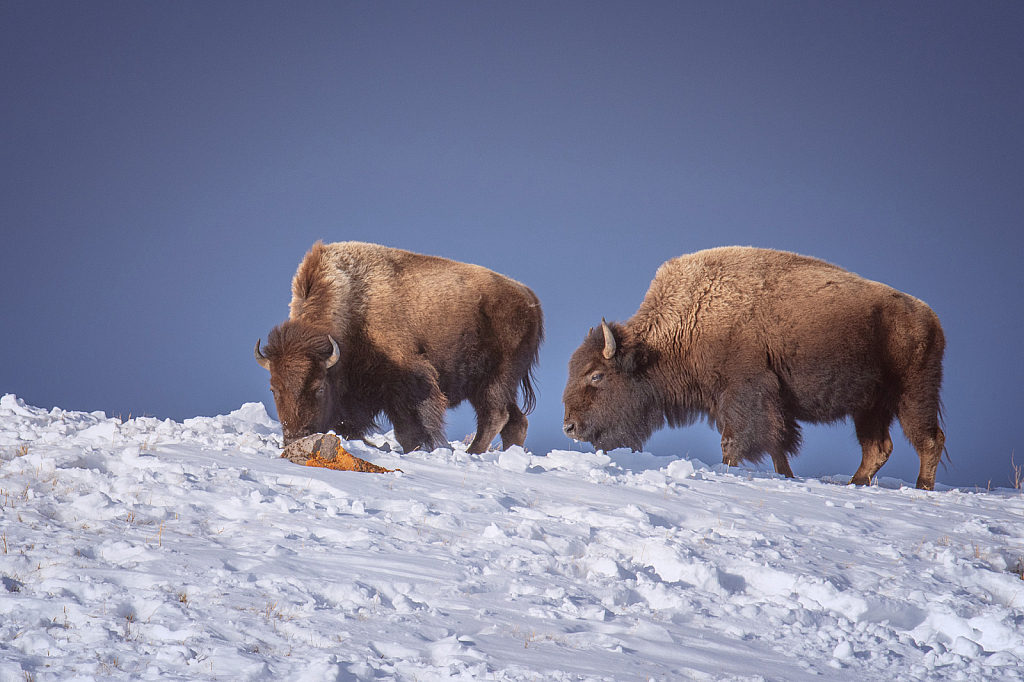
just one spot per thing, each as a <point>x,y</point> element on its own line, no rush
<point>152,549</point>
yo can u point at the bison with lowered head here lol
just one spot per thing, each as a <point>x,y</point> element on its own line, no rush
<point>757,340</point>
<point>375,330</point>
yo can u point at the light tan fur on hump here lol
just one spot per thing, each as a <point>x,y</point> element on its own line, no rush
<point>324,293</point>
<point>707,291</point>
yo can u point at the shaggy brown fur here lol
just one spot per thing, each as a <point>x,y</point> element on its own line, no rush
<point>416,335</point>
<point>757,340</point>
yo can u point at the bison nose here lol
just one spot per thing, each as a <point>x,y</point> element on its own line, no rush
<point>569,428</point>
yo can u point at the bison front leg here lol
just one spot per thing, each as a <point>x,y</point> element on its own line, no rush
<point>354,424</point>
<point>745,446</point>
<point>420,421</point>
<point>412,431</point>
<point>752,423</point>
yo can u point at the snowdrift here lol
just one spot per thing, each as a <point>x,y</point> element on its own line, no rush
<point>152,549</point>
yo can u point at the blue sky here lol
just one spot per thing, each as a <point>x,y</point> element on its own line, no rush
<point>166,166</point>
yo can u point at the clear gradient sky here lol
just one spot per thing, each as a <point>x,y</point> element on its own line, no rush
<point>165,166</point>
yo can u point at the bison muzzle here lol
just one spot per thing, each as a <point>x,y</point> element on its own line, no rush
<point>755,341</point>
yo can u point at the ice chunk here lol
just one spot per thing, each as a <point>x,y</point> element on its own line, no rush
<point>253,413</point>
<point>104,431</point>
<point>967,648</point>
<point>843,651</point>
<point>514,459</point>
<point>681,468</point>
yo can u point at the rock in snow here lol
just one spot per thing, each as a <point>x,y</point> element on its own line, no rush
<point>156,550</point>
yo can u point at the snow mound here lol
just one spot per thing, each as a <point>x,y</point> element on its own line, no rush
<point>150,549</point>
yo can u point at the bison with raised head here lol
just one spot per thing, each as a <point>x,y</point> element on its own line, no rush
<point>755,341</point>
<point>375,330</point>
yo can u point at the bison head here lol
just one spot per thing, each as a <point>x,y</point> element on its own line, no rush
<point>608,399</point>
<point>298,358</point>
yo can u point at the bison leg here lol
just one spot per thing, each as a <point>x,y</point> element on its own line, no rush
<point>787,445</point>
<point>918,412</point>
<point>929,449</point>
<point>753,424</point>
<point>919,407</point>
<point>354,424</point>
<point>743,445</point>
<point>876,446</point>
<point>497,412</point>
<point>492,416</point>
<point>924,433</point>
<point>514,432</point>
<point>782,465</point>
<point>411,433</point>
<point>420,423</point>
<point>488,424</point>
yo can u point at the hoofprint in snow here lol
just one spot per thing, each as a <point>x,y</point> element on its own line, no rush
<point>159,550</point>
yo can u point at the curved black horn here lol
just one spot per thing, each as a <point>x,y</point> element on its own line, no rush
<point>609,340</point>
<point>335,355</point>
<point>261,358</point>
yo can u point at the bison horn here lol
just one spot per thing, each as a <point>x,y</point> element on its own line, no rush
<point>609,340</point>
<point>334,355</point>
<point>261,358</point>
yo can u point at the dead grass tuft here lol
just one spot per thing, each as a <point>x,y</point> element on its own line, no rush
<point>1017,479</point>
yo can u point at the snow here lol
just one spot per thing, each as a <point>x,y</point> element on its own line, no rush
<point>153,549</point>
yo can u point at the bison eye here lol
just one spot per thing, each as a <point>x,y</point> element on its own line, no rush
<point>596,377</point>
<point>320,392</point>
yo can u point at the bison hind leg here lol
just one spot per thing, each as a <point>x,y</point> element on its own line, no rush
<point>788,444</point>
<point>514,431</point>
<point>876,445</point>
<point>492,416</point>
<point>921,426</point>
<point>497,412</point>
<point>930,449</point>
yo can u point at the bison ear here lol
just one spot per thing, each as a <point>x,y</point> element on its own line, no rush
<point>609,341</point>
<point>631,360</point>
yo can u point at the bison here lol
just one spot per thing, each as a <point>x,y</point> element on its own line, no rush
<point>755,341</point>
<point>374,330</point>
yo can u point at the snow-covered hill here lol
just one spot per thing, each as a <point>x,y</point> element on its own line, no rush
<point>156,550</point>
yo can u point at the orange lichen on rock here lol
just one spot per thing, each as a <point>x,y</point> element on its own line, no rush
<point>325,451</point>
<point>345,461</point>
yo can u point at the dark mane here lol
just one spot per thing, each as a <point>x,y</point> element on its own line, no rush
<point>296,339</point>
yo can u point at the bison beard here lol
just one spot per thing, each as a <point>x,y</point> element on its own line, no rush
<point>755,341</point>
<point>379,331</point>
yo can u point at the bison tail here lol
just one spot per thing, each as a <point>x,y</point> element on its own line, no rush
<point>942,427</point>
<point>529,394</point>
<point>530,347</point>
<point>534,337</point>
